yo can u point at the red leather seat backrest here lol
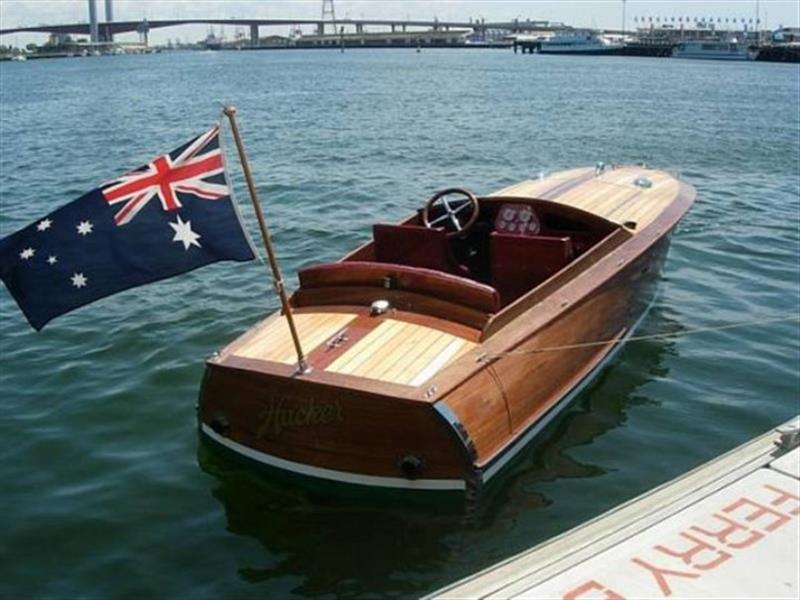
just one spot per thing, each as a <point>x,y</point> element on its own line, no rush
<point>415,246</point>
<point>520,263</point>
<point>439,285</point>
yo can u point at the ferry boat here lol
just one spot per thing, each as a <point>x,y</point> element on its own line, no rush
<point>579,41</point>
<point>438,349</point>
<point>713,50</point>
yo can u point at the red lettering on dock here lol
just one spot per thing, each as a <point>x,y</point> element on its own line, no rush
<point>579,592</point>
<point>713,539</point>
<point>723,535</point>
<point>659,574</point>
<point>780,519</point>
<point>699,546</point>
<point>783,497</point>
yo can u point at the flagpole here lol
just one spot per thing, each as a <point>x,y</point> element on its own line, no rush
<point>302,363</point>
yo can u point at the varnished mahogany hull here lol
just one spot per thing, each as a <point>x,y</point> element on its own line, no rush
<point>320,429</point>
<point>458,428</point>
<point>505,405</point>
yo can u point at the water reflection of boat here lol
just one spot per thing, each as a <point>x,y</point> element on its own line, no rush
<point>448,342</point>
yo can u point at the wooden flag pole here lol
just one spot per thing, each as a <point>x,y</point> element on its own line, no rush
<point>302,363</point>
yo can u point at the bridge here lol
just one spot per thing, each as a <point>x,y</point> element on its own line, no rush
<point>110,28</point>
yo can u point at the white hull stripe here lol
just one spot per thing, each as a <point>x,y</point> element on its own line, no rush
<point>331,474</point>
<point>565,401</point>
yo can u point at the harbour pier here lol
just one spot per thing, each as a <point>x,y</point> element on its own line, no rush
<point>632,48</point>
<point>765,52</point>
<point>728,529</point>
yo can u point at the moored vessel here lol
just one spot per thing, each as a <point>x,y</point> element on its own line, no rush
<point>579,41</point>
<point>433,353</point>
<point>713,50</point>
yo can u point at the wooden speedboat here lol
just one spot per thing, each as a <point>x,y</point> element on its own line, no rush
<point>443,345</point>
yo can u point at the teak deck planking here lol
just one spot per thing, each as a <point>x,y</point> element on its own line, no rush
<point>400,352</point>
<point>274,341</point>
<point>393,351</point>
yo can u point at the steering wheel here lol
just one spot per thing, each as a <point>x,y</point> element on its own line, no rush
<point>454,220</point>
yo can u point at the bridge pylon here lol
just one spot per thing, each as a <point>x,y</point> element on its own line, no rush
<point>328,14</point>
<point>109,37</point>
<point>143,29</point>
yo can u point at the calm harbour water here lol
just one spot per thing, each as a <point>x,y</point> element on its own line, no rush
<point>106,491</point>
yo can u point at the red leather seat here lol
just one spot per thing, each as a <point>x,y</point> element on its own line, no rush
<point>439,285</point>
<point>520,263</point>
<point>416,246</point>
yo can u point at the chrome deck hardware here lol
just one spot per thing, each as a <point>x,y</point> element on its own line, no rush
<point>379,307</point>
<point>790,435</point>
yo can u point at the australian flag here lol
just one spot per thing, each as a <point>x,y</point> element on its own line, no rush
<point>168,217</point>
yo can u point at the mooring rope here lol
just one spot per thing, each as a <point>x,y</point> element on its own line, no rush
<point>642,338</point>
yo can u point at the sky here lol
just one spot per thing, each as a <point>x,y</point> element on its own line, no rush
<point>579,13</point>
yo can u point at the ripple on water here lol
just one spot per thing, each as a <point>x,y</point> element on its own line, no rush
<point>103,493</point>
